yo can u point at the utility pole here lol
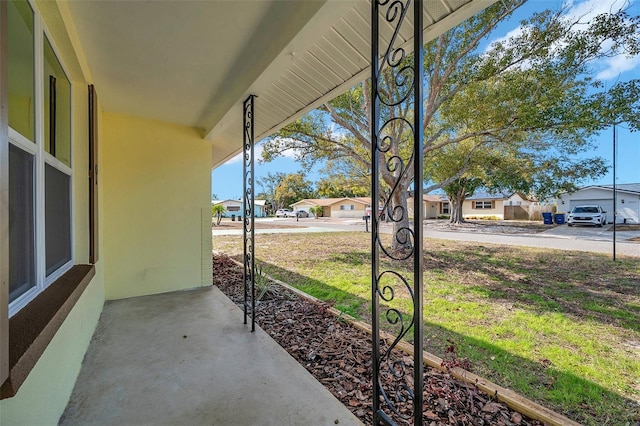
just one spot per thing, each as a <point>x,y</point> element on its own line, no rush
<point>615,192</point>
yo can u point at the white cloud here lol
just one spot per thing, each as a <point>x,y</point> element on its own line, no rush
<point>613,67</point>
<point>516,32</point>
<point>587,10</point>
<point>607,68</point>
<point>584,12</point>
<point>238,158</point>
<point>257,152</point>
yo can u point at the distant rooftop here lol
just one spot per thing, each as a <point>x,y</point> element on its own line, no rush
<point>630,187</point>
<point>486,195</point>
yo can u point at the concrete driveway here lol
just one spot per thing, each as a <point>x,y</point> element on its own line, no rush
<point>591,233</point>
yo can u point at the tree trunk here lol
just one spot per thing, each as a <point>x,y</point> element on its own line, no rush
<point>400,218</point>
<point>456,208</point>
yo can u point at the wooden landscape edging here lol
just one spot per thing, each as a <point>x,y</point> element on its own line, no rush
<point>512,399</point>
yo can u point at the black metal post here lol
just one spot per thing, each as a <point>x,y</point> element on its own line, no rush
<point>248,203</point>
<point>615,192</point>
<point>375,216</point>
<point>404,85</point>
<point>418,114</point>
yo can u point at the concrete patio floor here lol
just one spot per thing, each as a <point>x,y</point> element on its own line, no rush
<point>185,358</point>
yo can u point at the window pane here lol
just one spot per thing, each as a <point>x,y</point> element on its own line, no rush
<point>21,69</point>
<point>57,107</point>
<point>22,269</point>
<point>57,209</point>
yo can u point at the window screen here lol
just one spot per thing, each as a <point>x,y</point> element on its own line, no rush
<point>22,264</point>
<point>57,208</point>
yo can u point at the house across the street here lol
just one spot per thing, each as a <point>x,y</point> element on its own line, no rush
<point>350,207</point>
<point>234,207</point>
<point>627,205</point>
<point>432,206</point>
<point>496,205</point>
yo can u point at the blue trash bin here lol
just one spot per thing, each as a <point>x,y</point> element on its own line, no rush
<point>547,218</point>
<point>559,218</point>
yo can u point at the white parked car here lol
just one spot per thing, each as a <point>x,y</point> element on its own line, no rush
<point>285,213</point>
<point>587,215</point>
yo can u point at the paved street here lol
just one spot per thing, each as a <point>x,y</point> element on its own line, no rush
<point>590,239</point>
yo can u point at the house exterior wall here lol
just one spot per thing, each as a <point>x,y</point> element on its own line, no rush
<point>156,183</point>
<point>303,206</point>
<point>430,209</point>
<point>497,210</point>
<point>516,200</point>
<point>358,209</point>
<point>43,397</point>
<point>629,210</point>
<point>236,208</point>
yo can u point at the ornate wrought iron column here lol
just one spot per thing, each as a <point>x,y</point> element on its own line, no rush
<point>248,212</point>
<point>395,81</point>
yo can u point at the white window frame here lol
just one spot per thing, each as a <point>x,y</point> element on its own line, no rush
<point>4,199</point>
<point>482,205</point>
<point>350,207</point>
<point>41,157</point>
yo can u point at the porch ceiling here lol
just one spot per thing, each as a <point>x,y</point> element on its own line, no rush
<point>193,62</point>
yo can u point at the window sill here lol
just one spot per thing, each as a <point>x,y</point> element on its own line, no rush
<point>32,329</point>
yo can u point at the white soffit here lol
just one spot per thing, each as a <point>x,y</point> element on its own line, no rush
<point>329,55</point>
<point>182,61</point>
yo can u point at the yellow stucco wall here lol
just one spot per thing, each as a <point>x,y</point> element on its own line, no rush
<point>43,396</point>
<point>156,181</point>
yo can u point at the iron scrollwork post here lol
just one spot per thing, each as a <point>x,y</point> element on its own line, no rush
<point>394,399</point>
<point>248,211</point>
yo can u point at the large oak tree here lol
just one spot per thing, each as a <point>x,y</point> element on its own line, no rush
<point>533,94</point>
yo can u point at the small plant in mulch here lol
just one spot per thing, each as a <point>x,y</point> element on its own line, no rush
<point>264,286</point>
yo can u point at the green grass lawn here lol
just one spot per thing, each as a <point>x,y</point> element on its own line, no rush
<point>561,328</point>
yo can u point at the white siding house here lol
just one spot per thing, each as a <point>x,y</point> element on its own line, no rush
<point>234,207</point>
<point>627,206</point>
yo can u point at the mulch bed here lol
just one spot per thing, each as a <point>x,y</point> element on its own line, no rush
<point>339,356</point>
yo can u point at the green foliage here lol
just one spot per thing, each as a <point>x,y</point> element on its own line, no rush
<point>481,217</point>
<point>317,211</point>
<point>293,187</point>
<point>268,185</point>
<point>340,185</point>
<point>281,190</point>
<point>263,284</point>
<point>519,115</point>
<point>218,211</point>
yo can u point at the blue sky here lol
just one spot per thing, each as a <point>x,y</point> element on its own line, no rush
<point>226,180</point>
